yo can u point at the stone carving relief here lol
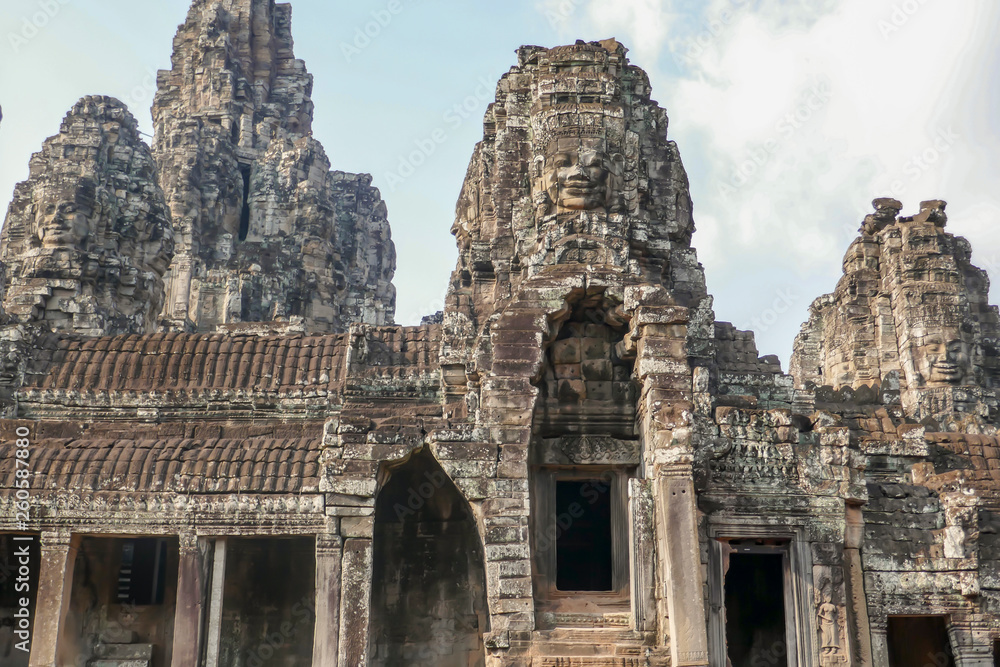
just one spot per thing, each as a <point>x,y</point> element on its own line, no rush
<point>93,222</point>
<point>578,173</point>
<point>589,450</point>
<point>943,359</point>
<point>757,461</point>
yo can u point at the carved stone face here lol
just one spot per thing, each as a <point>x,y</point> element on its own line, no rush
<point>943,359</point>
<point>576,173</point>
<point>62,224</point>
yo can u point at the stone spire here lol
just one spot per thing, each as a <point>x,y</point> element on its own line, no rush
<point>910,309</point>
<point>574,168</point>
<point>87,238</point>
<point>265,230</point>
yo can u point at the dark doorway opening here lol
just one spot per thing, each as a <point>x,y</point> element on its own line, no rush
<point>755,610</point>
<point>919,640</point>
<point>245,211</point>
<point>142,572</point>
<point>583,547</point>
<point>429,577</point>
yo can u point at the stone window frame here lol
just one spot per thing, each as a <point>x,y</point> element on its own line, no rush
<point>800,614</point>
<point>543,483</point>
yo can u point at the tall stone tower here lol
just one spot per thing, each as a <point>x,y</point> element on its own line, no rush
<point>265,230</point>
<point>574,169</point>
<point>910,314</point>
<point>87,238</point>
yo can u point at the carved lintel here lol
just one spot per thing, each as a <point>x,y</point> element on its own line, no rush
<point>589,450</point>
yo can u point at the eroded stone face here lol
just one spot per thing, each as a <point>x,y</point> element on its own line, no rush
<point>574,171</point>
<point>577,173</point>
<point>943,359</point>
<point>88,236</point>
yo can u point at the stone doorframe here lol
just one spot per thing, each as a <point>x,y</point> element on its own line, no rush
<point>800,617</point>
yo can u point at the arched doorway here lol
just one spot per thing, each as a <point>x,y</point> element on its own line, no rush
<point>429,582</point>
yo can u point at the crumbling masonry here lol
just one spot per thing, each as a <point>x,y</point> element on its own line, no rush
<point>234,458</point>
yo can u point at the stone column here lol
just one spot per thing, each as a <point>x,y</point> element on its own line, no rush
<point>855,579</point>
<point>880,640</point>
<point>355,603</point>
<point>191,577</point>
<point>216,598</point>
<point>55,585</point>
<point>972,648</point>
<point>679,542</point>
<point>326,632</point>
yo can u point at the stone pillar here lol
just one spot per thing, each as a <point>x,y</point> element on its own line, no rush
<point>216,598</point>
<point>355,603</point>
<point>880,640</point>
<point>55,585</point>
<point>855,577</point>
<point>971,648</point>
<point>326,633</point>
<point>191,578</point>
<point>685,601</point>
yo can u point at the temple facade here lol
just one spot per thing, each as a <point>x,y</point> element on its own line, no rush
<point>218,450</point>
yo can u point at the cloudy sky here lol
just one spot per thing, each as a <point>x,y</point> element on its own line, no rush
<point>791,115</point>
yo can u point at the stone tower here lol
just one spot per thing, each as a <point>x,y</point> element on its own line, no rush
<point>265,231</point>
<point>574,169</point>
<point>909,314</point>
<point>87,238</point>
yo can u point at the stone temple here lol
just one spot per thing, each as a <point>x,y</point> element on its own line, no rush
<point>218,449</point>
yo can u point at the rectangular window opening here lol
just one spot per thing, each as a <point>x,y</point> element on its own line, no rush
<point>919,640</point>
<point>584,551</point>
<point>755,610</point>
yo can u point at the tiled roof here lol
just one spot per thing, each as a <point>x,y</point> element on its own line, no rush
<point>254,465</point>
<point>190,361</point>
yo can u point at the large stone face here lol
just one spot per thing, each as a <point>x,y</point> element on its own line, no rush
<point>87,237</point>
<point>265,230</point>
<point>911,308</point>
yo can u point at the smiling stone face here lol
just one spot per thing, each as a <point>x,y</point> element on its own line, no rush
<point>576,173</point>
<point>943,359</point>
<point>62,224</point>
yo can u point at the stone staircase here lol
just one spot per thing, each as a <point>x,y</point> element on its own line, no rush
<point>122,655</point>
<point>595,646</point>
